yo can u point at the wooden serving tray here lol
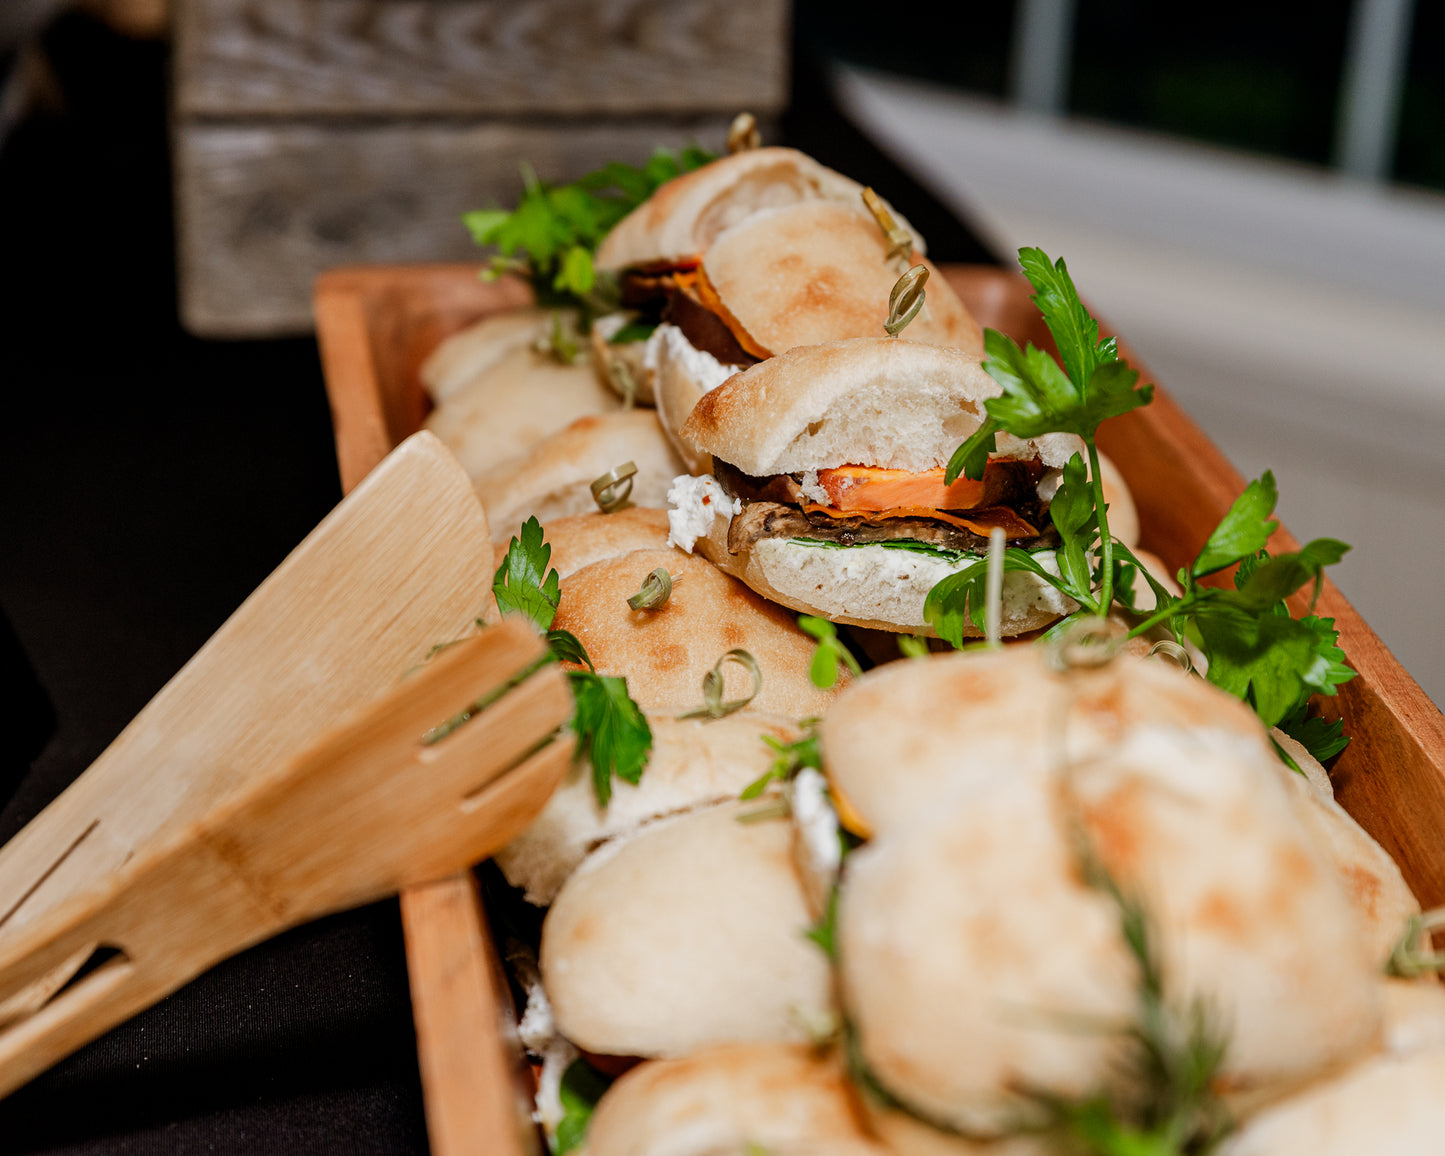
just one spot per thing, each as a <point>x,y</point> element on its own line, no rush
<point>377,324</point>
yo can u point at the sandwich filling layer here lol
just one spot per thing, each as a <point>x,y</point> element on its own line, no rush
<point>855,505</point>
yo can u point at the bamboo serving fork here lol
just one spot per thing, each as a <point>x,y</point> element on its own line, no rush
<point>235,805</point>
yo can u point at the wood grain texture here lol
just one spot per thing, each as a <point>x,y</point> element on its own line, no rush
<point>261,209</point>
<point>342,58</point>
<point>367,808</point>
<point>470,1078</point>
<point>1391,778</point>
<point>392,570</point>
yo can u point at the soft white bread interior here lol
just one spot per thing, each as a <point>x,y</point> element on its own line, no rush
<point>875,586</point>
<point>693,764</point>
<point>885,402</point>
<point>692,932</point>
<point>1388,1104</point>
<point>683,217</point>
<point>774,1096</point>
<point>665,653</point>
<point>554,480</point>
<point>470,352</point>
<point>494,420</point>
<point>581,539</point>
<point>816,272</point>
<point>681,374</point>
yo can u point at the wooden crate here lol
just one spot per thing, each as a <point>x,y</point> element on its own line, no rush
<point>376,325</point>
<point>315,133</point>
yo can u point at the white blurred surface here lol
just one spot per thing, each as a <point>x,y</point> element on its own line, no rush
<point>1299,316</point>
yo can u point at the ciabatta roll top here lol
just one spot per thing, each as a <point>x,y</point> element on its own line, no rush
<point>884,402</point>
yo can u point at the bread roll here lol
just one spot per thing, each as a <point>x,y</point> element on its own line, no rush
<point>1264,934</point>
<point>786,1098</point>
<point>687,934</point>
<point>1381,897</point>
<point>911,736</point>
<point>493,421</point>
<point>822,406</point>
<point>554,480</point>
<point>665,653</point>
<point>816,272</point>
<point>693,764</point>
<point>471,352</point>
<point>1390,1104</point>
<point>683,217</point>
<point>875,586</point>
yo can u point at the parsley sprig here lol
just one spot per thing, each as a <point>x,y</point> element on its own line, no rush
<point>550,237</point>
<point>1255,650</point>
<point>612,732</point>
<point>582,1086</point>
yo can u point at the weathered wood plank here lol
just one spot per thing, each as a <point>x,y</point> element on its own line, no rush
<point>479,57</point>
<point>262,208</point>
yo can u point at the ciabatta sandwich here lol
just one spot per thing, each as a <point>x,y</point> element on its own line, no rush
<point>751,256</point>
<point>827,493</point>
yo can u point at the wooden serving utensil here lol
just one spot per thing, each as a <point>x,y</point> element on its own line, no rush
<point>369,807</point>
<point>402,563</point>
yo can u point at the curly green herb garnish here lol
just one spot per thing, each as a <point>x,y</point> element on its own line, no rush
<point>713,706</point>
<point>613,488</point>
<point>655,591</point>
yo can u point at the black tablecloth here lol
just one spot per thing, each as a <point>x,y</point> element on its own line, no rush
<point>148,482</point>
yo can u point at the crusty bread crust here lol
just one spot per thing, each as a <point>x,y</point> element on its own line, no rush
<point>688,213</point>
<point>818,271</point>
<point>881,401</point>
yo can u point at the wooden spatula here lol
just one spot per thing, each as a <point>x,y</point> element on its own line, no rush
<point>402,563</point>
<point>366,809</point>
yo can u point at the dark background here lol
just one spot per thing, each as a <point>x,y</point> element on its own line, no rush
<point>149,481</point>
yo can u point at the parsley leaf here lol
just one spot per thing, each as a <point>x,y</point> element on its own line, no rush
<point>1243,530</point>
<point>1323,739</point>
<point>959,599</point>
<point>519,584</point>
<point>582,1086</point>
<point>830,653</point>
<point>612,732</point>
<point>1038,396</point>
<point>551,235</point>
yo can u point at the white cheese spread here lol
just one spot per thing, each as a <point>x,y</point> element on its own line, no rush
<point>693,502</point>
<point>704,369</point>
